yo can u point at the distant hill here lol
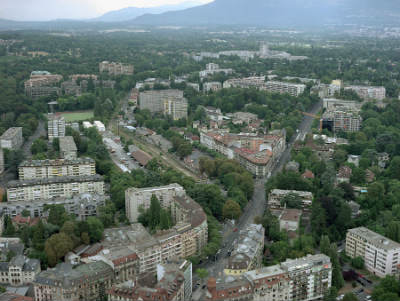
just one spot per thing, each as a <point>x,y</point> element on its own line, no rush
<point>131,13</point>
<point>281,13</point>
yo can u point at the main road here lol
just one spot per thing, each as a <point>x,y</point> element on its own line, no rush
<point>258,204</point>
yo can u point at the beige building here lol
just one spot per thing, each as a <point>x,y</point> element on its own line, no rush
<point>168,102</point>
<point>88,282</point>
<point>369,92</point>
<point>212,86</point>
<point>43,169</point>
<point>12,138</point>
<point>380,254</point>
<point>116,68</point>
<point>55,126</point>
<point>19,271</point>
<point>38,189</point>
<point>68,149</point>
<point>42,84</point>
<point>284,88</point>
<point>249,82</point>
<point>2,166</point>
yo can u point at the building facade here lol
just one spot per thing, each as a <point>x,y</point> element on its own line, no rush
<point>12,139</point>
<point>276,196</point>
<point>42,189</point>
<point>380,254</point>
<point>81,205</point>
<point>55,126</point>
<point>116,68</point>
<point>19,271</point>
<point>369,92</point>
<point>284,88</point>
<point>43,169</point>
<point>168,102</point>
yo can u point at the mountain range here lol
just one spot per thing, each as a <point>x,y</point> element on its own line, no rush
<point>271,13</point>
<point>130,13</point>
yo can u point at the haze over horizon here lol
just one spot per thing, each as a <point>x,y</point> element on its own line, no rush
<point>45,10</point>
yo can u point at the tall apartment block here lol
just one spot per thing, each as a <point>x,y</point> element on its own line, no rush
<point>44,169</point>
<point>368,92</point>
<point>116,68</point>
<point>12,139</point>
<point>168,102</point>
<point>342,120</point>
<point>380,254</point>
<point>284,87</point>
<point>55,126</point>
<point>42,83</point>
<point>38,189</point>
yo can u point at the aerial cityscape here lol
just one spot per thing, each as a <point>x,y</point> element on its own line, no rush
<point>216,150</point>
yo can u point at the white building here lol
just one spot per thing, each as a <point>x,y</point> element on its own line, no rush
<point>87,125</point>
<point>212,68</point>
<point>212,86</point>
<point>380,254</point>
<point>369,92</point>
<point>284,87</point>
<point>19,271</point>
<point>99,126</point>
<point>55,126</point>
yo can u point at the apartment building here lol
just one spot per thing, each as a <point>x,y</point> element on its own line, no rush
<point>88,282</point>
<point>42,169</point>
<point>369,92</point>
<point>212,86</point>
<point>68,149</point>
<point>76,77</point>
<point>81,205</point>
<point>116,68</point>
<point>212,69</point>
<point>303,279</point>
<point>284,88</point>
<point>12,138</point>
<point>36,92</point>
<point>342,120</point>
<point>245,83</point>
<point>380,254</point>
<point>140,197</point>
<point>276,196</point>
<point>171,284</point>
<point>247,251</point>
<point>39,189</point>
<point>55,126</point>
<point>333,104</point>
<point>168,102</point>
<point>41,84</point>
<point>20,270</point>
<point>256,153</point>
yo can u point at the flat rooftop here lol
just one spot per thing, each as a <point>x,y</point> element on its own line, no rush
<point>374,238</point>
<point>11,132</point>
<point>47,181</point>
<point>67,144</point>
<point>57,162</point>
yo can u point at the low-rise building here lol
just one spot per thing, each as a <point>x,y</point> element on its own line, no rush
<point>212,69</point>
<point>243,117</point>
<point>81,205</point>
<point>12,138</point>
<point>68,149</point>
<point>276,196</point>
<point>99,126</point>
<point>19,271</point>
<point>42,169</point>
<point>55,126</point>
<point>39,189</point>
<point>380,254</point>
<point>88,282</point>
<point>289,220</point>
<point>245,83</point>
<point>285,88</point>
<point>344,174</point>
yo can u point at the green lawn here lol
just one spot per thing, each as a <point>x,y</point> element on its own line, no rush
<point>77,116</point>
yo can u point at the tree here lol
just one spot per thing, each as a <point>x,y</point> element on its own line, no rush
<point>9,229</point>
<point>337,277</point>
<point>387,290</point>
<point>357,263</point>
<point>231,210</point>
<point>57,246</point>
<point>325,244</point>
<point>57,215</point>
<point>155,212</point>
<point>202,273</point>
<point>39,146</point>
<point>331,295</point>
<point>350,297</point>
<point>38,239</point>
<point>165,220</point>
<point>96,229</point>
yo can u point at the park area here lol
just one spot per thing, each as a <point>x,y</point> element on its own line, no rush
<point>77,115</point>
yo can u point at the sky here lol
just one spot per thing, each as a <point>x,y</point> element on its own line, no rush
<point>40,10</point>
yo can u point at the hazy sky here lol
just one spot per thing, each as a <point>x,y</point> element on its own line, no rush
<point>76,9</point>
